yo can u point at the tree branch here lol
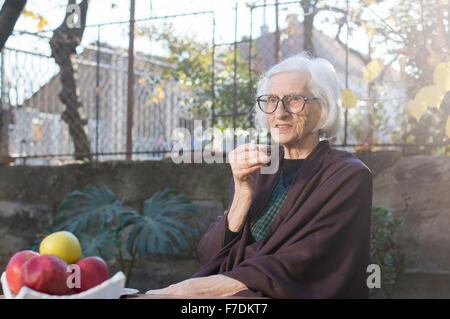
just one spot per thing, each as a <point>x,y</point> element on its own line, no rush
<point>9,15</point>
<point>357,53</point>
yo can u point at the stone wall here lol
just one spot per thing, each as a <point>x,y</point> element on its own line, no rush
<point>417,190</point>
<point>414,188</point>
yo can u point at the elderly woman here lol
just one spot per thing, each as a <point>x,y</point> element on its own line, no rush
<point>303,232</point>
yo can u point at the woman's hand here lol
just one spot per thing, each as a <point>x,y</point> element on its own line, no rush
<point>215,285</point>
<point>244,160</point>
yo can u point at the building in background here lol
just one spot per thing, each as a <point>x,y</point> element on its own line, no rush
<point>37,128</point>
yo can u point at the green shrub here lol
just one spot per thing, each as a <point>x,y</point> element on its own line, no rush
<point>385,249</point>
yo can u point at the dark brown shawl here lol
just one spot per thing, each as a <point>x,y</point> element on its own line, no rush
<point>318,244</point>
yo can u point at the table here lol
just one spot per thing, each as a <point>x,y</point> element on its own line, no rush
<point>144,296</point>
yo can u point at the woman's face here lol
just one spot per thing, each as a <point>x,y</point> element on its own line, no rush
<point>286,128</point>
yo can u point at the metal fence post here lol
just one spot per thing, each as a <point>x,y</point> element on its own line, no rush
<point>213,74</point>
<point>130,95</point>
<point>4,119</point>
<point>277,35</point>
<point>97,93</point>
<point>346,72</point>
<point>235,66</point>
<point>250,60</point>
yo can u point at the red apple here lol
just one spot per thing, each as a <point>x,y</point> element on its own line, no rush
<point>14,268</point>
<point>47,274</point>
<point>93,271</point>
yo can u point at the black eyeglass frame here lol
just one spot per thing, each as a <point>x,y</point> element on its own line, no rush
<point>305,100</point>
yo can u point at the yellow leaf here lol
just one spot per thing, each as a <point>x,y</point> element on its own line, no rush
<point>42,23</point>
<point>151,101</point>
<point>370,31</point>
<point>349,98</point>
<point>37,132</point>
<point>160,95</point>
<point>415,109</point>
<point>447,127</point>
<point>142,81</point>
<point>372,70</point>
<point>429,96</point>
<point>29,14</point>
<point>441,76</point>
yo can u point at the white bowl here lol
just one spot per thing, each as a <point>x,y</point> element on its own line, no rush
<point>112,288</point>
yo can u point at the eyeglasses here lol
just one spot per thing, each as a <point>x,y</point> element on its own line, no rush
<point>292,103</point>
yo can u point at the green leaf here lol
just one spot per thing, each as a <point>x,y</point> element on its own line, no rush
<point>141,244</point>
<point>101,244</point>
<point>157,230</point>
<point>89,210</point>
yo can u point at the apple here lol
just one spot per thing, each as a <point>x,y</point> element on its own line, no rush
<point>93,271</point>
<point>14,269</point>
<point>47,274</point>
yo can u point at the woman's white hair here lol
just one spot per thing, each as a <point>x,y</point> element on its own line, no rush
<point>323,83</point>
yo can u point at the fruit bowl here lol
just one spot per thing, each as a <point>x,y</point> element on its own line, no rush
<point>112,288</point>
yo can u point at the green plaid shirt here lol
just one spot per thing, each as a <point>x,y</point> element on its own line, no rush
<point>260,227</point>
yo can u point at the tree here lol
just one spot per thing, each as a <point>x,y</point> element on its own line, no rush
<point>417,37</point>
<point>425,40</point>
<point>309,12</point>
<point>193,71</point>
<point>63,44</point>
<point>9,14</point>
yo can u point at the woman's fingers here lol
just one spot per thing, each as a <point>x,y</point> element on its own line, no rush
<point>249,170</point>
<point>246,147</point>
<point>246,159</point>
<point>250,154</point>
<point>242,170</point>
<point>234,154</point>
<point>253,147</point>
<point>249,157</point>
<point>162,291</point>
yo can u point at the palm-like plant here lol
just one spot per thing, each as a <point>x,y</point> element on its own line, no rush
<point>98,219</point>
<point>89,211</point>
<point>155,230</point>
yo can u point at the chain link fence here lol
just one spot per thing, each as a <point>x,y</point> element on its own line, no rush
<point>178,78</point>
<point>32,107</point>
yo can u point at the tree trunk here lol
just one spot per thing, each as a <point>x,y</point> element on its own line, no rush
<point>8,17</point>
<point>63,44</point>
<point>308,20</point>
<point>4,139</point>
<point>9,14</point>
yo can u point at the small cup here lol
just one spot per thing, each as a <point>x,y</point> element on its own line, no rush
<point>266,150</point>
